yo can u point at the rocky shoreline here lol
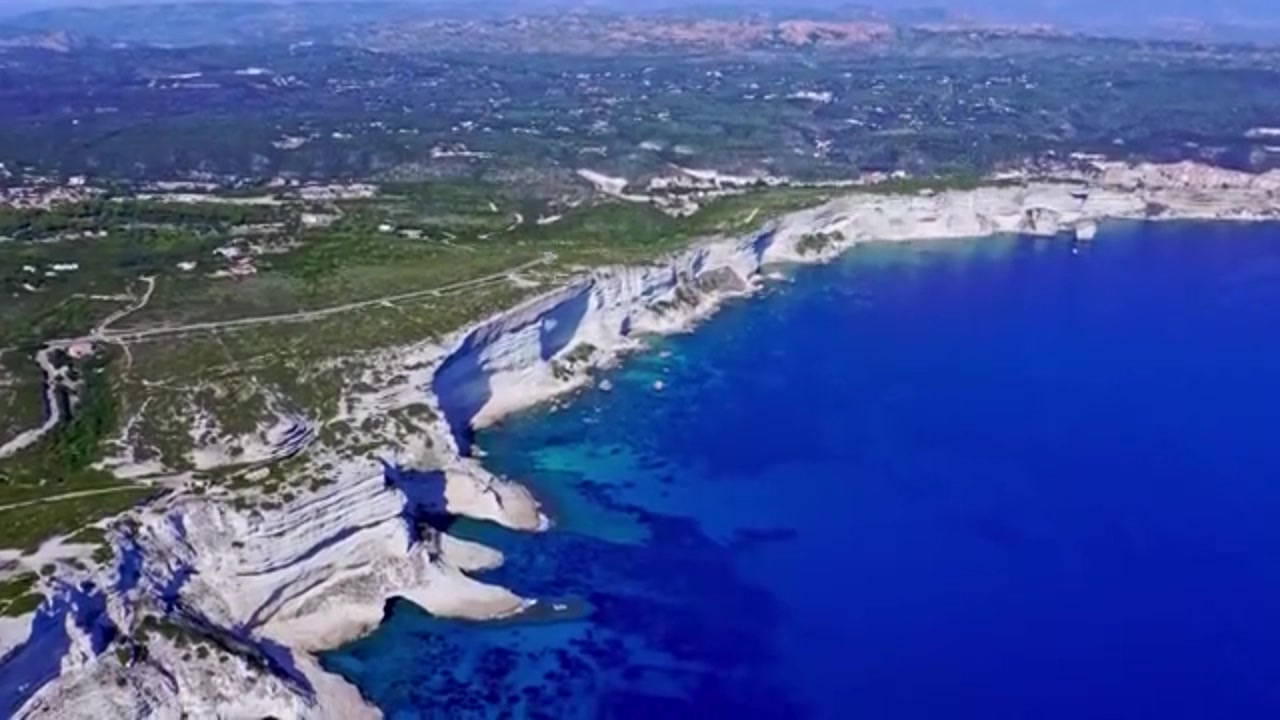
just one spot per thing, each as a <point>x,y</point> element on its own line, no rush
<point>275,587</point>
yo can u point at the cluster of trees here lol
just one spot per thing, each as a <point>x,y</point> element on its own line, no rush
<point>106,214</point>
<point>366,114</point>
<point>77,442</point>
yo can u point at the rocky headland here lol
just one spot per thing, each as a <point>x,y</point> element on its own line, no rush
<point>271,588</point>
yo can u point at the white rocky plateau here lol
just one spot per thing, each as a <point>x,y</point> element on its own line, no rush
<point>279,586</point>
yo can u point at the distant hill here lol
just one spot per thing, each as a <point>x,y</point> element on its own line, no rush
<point>513,25</point>
<point>348,21</point>
<point>212,23</point>
<point>57,41</point>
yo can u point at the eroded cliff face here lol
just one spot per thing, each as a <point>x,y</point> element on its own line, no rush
<point>211,610</point>
<point>538,350</point>
<point>318,570</point>
<point>543,348</point>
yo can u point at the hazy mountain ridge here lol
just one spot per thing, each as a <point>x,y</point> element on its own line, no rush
<point>608,25</point>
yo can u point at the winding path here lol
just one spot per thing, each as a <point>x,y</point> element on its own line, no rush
<point>53,414</point>
<point>102,333</point>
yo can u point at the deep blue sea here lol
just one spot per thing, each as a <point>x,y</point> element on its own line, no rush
<point>965,479</point>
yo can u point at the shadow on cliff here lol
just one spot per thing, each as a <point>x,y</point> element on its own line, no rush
<point>27,668</point>
<point>463,384</point>
<point>425,499</point>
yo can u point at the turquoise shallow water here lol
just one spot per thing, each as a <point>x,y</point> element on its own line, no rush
<point>963,479</point>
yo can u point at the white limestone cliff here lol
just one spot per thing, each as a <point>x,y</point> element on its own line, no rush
<point>527,355</point>
<point>318,571</point>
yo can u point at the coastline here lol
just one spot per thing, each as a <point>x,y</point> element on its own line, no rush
<point>319,572</point>
<point>673,295</point>
<point>924,405</point>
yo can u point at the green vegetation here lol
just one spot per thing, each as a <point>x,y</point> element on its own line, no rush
<point>113,215</point>
<point>21,393</point>
<point>89,536</point>
<point>474,154</point>
<point>103,554</point>
<point>92,535</point>
<point>77,442</point>
<point>409,240</point>
<point>626,233</point>
<point>180,635</point>
<point>28,526</point>
<point>814,243</point>
<point>42,303</point>
<point>60,463</point>
<point>51,488</point>
<point>17,597</point>
<point>405,289</point>
<point>933,183</point>
<point>927,103</point>
<point>416,262</point>
<point>581,352</point>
